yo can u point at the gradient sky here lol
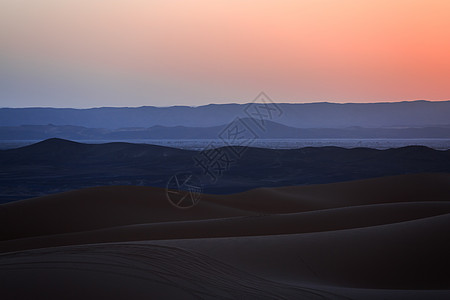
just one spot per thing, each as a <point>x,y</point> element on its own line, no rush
<point>90,53</point>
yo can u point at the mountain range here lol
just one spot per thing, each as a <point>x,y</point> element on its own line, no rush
<point>302,115</point>
<point>271,130</point>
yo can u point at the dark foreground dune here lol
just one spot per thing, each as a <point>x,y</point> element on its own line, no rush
<point>382,238</point>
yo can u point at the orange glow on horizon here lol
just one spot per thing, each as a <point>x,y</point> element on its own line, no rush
<point>299,51</point>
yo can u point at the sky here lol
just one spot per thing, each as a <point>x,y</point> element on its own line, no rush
<point>92,53</point>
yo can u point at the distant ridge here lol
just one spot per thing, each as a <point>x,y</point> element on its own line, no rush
<point>271,130</point>
<point>301,115</point>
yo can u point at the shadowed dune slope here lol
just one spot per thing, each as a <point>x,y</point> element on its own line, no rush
<point>100,207</point>
<point>307,222</point>
<point>390,189</point>
<point>407,255</point>
<point>142,271</point>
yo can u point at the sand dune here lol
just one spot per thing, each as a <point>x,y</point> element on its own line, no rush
<point>101,207</point>
<point>384,238</point>
<point>306,222</point>
<point>105,207</point>
<point>406,255</point>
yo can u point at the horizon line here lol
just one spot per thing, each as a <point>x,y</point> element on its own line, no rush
<point>230,103</point>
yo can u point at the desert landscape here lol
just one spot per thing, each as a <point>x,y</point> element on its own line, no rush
<point>106,220</point>
<point>383,238</point>
<point>217,149</point>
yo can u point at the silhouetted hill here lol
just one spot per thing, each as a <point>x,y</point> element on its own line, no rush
<point>57,165</point>
<point>305,115</point>
<point>60,151</point>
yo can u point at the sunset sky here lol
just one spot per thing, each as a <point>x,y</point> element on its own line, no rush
<point>90,53</point>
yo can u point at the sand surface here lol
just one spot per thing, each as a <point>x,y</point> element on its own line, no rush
<point>382,238</point>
